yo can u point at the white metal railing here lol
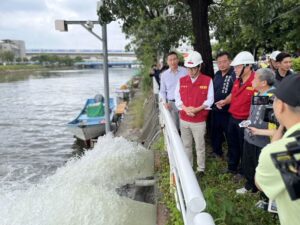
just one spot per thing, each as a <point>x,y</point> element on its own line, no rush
<point>188,195</point>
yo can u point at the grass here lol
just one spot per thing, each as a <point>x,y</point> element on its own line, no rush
<point>167,192</point>
<point>19,67</point>
<point>225,206</point>
<point>137,109</point>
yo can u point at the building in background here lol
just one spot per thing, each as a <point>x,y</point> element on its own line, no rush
<point>17,47</point>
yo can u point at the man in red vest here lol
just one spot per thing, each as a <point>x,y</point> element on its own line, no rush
<point>194,95</point>
<point>240,102</point>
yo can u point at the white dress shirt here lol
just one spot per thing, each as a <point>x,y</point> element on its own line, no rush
<point>168,82</point>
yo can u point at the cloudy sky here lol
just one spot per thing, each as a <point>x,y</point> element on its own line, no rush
<point>33,22</point>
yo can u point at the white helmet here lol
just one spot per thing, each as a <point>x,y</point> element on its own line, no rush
<point>243,58</point>
<point>193,59</point>
<point>274,55</point>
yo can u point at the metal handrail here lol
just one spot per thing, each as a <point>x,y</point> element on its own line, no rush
<point>190,198</point>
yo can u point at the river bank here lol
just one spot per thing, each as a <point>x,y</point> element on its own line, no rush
<point>21,69</point>
<point>141,124</point>
<point>223,203</point>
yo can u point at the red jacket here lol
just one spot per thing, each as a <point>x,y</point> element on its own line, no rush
<point>194,94</point>
<point>241,98</point>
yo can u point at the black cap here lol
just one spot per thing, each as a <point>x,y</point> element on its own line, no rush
<point>288,90</point>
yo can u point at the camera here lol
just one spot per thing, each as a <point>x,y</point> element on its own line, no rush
<point>269,115</point>
<point>289,166</point>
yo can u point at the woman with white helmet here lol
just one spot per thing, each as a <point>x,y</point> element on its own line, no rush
<point>240,101</point>
<point>193,97</point>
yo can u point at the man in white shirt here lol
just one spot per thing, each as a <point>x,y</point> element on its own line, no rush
<point>169,80</point>
<point>194,96</point>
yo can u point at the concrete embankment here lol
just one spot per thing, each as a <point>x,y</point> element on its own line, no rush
<point>146,135</point>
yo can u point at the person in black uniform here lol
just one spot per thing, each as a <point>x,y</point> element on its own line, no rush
<point>284,63</point>
<point>222,82</point>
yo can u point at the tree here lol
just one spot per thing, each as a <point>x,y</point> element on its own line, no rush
<point>263,25</point>
<point>199,9</point>
<point>7,56</point>
<point>18,59</point>
<point>78,59</point>
<point>153,26</point>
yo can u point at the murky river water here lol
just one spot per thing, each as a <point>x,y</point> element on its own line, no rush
<point>40,180</point>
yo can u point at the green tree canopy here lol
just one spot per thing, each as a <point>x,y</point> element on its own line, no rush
<point>154,26</point>
<point>261,25</point>
<point>7,56</point>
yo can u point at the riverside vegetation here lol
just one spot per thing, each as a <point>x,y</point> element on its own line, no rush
<point>226,207</point>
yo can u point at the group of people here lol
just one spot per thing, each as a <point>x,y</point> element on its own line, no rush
<point>238,100</point>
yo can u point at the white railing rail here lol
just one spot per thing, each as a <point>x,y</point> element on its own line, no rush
<point>188,195</point>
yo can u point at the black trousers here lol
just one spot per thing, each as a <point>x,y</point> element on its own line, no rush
<point>249,162</point>
<point>235,144</point>
<point>219,130</point>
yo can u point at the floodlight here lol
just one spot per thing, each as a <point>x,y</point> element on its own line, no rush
<point>61,25</point>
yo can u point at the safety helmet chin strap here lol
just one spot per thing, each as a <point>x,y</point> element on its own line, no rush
<point>273,67</point>
<point>242,72</point>
<point>197,72</point>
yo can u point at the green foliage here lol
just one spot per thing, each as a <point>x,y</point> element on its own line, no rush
<point>136,106</point>
<point>296,64</point>
<point>227,207</point>
<point>152,29</point>
<point>7,56</point>
<point>78,59</point>
<point>20,67</point>
<point>47,59</point>
<point>159,144</point>
<point>253,25</point>
<point>167,192</point>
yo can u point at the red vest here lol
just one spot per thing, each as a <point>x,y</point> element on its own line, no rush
<point>241,98</point>
<point>194,94</point>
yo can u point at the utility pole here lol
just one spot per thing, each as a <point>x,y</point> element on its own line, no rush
<point>62,25</point>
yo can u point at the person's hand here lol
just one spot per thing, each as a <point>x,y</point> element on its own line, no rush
<point>187,109</point>
<point>190,111</point>
<point>278,133</point>
<point>191,114</point>
<point>220,104</point>
<point>194,110</point>
<point>168,106</point>
<point>253,130</point>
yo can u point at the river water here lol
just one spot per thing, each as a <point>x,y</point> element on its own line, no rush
<point>42,181</point>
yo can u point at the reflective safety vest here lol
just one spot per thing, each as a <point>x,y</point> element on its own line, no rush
<point>194,94</point>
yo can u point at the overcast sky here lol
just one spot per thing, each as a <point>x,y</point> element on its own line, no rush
<point>33,22</point>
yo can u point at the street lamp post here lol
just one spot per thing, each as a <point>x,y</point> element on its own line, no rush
<point>106,78</point>
<point>62,25</point>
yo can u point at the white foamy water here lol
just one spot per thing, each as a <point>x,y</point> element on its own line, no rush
<point>83,191</point>
<point>35,109</point>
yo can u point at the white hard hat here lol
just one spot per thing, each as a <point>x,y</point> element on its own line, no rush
<point>193,59</point>
<point>274,55</point>
<point>243,58</point>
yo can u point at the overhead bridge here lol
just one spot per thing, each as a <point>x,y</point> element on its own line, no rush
<point>84,53</point>
<point>99,64</point>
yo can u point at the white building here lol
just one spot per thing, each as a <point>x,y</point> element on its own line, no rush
<point>15,46</point>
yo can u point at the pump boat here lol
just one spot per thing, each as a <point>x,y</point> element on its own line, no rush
<point>90,123</point>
